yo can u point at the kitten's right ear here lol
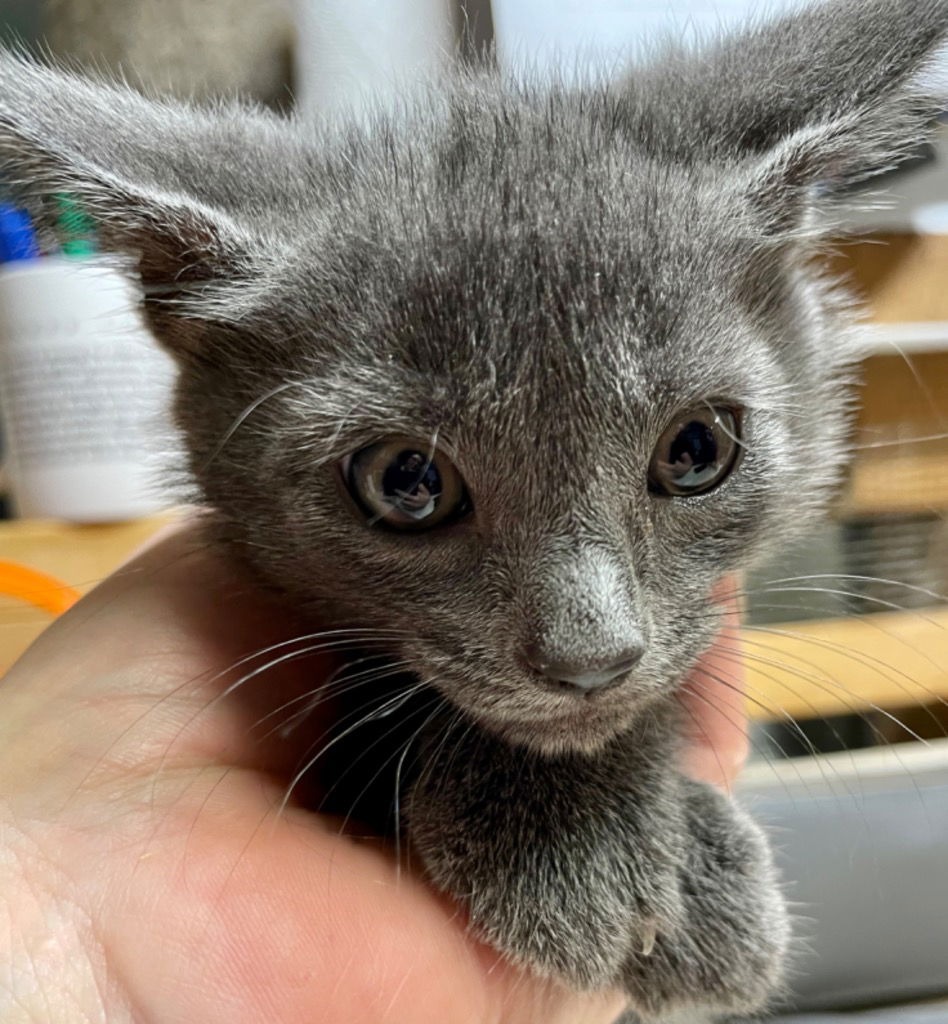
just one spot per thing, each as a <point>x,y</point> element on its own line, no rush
<point>150,174</point>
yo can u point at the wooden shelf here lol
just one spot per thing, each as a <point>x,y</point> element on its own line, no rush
<point>909,480</point>
<point>829,667</point>
<point>904,388</point>
<point>901,276</point>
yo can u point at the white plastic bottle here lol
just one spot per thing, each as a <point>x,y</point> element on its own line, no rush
<point>354,55</point>
<point>83,385</point>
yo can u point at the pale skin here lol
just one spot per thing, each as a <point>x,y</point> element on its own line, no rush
<point>148,872</point>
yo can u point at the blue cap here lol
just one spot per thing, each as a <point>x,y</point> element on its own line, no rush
<point>17,238</point>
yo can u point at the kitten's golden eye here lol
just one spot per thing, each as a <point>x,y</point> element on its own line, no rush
<point>405,484</point>
<point>696,452</point>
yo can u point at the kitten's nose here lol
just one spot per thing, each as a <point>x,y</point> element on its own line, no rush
<point>587,675</point>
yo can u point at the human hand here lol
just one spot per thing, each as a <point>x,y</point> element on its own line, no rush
<point>713,699</point>
<point>149,871</point>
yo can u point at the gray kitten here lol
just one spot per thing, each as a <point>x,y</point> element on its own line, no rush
<point>518,375</point>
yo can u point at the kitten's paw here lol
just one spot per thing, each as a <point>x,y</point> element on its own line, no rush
<point>566,882</point>
<point>562,908</point>
<point>728,956</point>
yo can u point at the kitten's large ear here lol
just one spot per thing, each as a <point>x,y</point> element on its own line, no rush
<point>163,182</point>
<point>825,95</point>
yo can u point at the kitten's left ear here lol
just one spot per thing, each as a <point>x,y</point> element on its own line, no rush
<point>813,166</point>
<point>158,178</point>
<point>825,95</point>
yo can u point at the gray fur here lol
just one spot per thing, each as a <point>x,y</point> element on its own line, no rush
<point>541,277</point>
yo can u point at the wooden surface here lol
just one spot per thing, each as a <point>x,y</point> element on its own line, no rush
<point>903,397</point>
<point>78,556</point>
<point>906,479</point>
<point>838,666</point>
<point>903,278</point>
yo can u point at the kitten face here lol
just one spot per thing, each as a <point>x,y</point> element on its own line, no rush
<point>535,281</point>
<point>542,345</point>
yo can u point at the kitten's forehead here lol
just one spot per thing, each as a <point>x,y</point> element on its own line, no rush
<point>530,198</point>
<point>571,291</point>
<point>502,379</point>
<point>523,263</point>
<point>582,315</point>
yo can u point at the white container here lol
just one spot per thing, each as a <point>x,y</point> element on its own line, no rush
<point>83,388</point>
<point>354,55</point>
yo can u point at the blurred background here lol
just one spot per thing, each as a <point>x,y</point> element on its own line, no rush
<point>845,637</point>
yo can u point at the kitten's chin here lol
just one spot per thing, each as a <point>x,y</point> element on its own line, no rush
<point>577,733</point>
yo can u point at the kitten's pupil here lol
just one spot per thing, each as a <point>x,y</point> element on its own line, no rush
<point>412,481</point>
<point>696,453</point>
<point>398,483</point>
<point>695,446</point>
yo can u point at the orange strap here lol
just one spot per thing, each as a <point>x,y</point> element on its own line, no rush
<point>36,588</point>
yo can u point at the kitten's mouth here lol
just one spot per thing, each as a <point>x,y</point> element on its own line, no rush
<point>534,715</point>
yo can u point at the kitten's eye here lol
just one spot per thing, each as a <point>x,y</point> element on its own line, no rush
<point>404,484</point>
<point>696,452</point>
